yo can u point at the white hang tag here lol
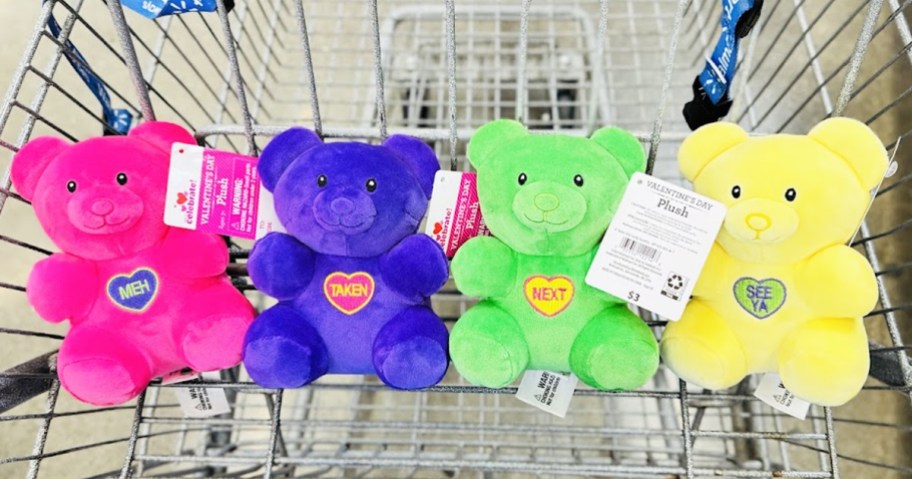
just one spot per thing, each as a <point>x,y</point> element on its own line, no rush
<point>656,245</point>
<point>202,401</point>
<point>549,391</point>
<point>773,392</point>
<point>454,213</point>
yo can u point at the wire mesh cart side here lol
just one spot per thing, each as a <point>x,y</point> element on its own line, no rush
<point>365,69</point>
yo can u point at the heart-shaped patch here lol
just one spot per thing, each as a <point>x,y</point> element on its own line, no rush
<point>135,291</point>
<point>181,198</point>
<point>349,293</point>
<point>548,295</point>
<point>760,298</point>
<point>438,228</point>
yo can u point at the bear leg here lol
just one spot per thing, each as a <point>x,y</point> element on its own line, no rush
<point>825,361</point>
<point>615,351</point>
<point>410,351</point>
<point>702,349</point>
<point>214,339</point>
<point>282,350</point>
<point>488,347</point>
<point>101,367</point>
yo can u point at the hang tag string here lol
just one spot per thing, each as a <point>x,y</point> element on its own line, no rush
<point>712,100</point>
<point>117,120</point>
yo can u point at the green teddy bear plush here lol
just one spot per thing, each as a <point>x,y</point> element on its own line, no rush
<point>548,200</point>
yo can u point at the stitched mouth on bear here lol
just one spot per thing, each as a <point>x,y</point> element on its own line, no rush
<point>102,215</point>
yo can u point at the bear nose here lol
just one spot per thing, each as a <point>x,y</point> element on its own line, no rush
<point>546,202</point>
<point>342,206</point>
<point>758,222</point>
<point>102,207</point>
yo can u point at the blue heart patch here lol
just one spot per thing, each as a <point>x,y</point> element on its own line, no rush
<point>135,291</point>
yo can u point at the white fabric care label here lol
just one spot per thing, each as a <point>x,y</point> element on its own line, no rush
<point>202,401</point>
<point>549,391</point>
<point>656,245</point>
<point>454,214</point>
<point>217,192</point>
<point>773,392</point>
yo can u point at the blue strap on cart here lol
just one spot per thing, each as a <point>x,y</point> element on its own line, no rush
<point>118,120</point>
<point>711,87</point>
<point>161,8</point>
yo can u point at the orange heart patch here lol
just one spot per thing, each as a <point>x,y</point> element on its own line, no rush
<point>548,296</point>
<point>349,293</point>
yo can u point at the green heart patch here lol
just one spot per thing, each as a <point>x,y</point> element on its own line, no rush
<point>760,298</point>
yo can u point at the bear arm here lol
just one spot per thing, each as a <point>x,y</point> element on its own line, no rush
<point>62,287</point>
<point>713,273</point>
<point>192,254</point>
<point>485,267</point>
<point>281,266</point>
<point>416,266</point>
<point>838,282</point>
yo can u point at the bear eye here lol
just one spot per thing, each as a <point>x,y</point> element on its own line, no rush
<point>522,179</point>
<point>121,179</point>
<point>736,192</point>
<point>578,180</point>
<point>790,194</point>
<point>371,185</point>
<point>71,186</point>
<point>321,181</point>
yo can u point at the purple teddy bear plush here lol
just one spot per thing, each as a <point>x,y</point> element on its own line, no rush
<point>351,276</point>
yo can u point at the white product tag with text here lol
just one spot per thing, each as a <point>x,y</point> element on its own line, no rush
<point>656,245</point>
<point>454,213</point>
<point>549,391</point>
<point>202,401</point>
<point>772,392</point>
<point>218,192</point>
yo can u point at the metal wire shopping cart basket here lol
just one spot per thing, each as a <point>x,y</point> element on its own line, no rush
<point>363,69</point>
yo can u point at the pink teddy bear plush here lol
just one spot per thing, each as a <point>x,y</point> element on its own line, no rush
<point>143,299</point>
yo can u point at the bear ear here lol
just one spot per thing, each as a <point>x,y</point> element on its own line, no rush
<point>418,156</point>
<point>31,161</point>
<point>162,134</point>
<point>706,144</point>
<point>624,147</point>
<point>490,136</point>
<point>281,151</point>
<point>857,144</point>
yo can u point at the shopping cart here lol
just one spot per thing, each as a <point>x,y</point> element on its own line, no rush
<point>361,70</point>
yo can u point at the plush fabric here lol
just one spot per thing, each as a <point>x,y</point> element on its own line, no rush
<point>548,199</point>
<point>352,277</point>
<point>781,291</point>
<point>143,299</point>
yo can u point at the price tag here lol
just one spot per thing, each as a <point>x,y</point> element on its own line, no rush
<point>656,245</point>
<point>549,391</point>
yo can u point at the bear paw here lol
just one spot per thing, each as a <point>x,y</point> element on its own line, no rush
<point>614,367</point>
<point>821,380</point>
<point>214,343</point>
<point>414,364</point>
<point>101,381</point>
<point>484,361</point>
<point>698,364</point>
<point>278,362</point>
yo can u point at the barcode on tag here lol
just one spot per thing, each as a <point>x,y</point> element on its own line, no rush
<point>635,247</point>
<point>656,245</point>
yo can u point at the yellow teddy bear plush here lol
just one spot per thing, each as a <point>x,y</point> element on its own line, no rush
<point>781,291</point>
